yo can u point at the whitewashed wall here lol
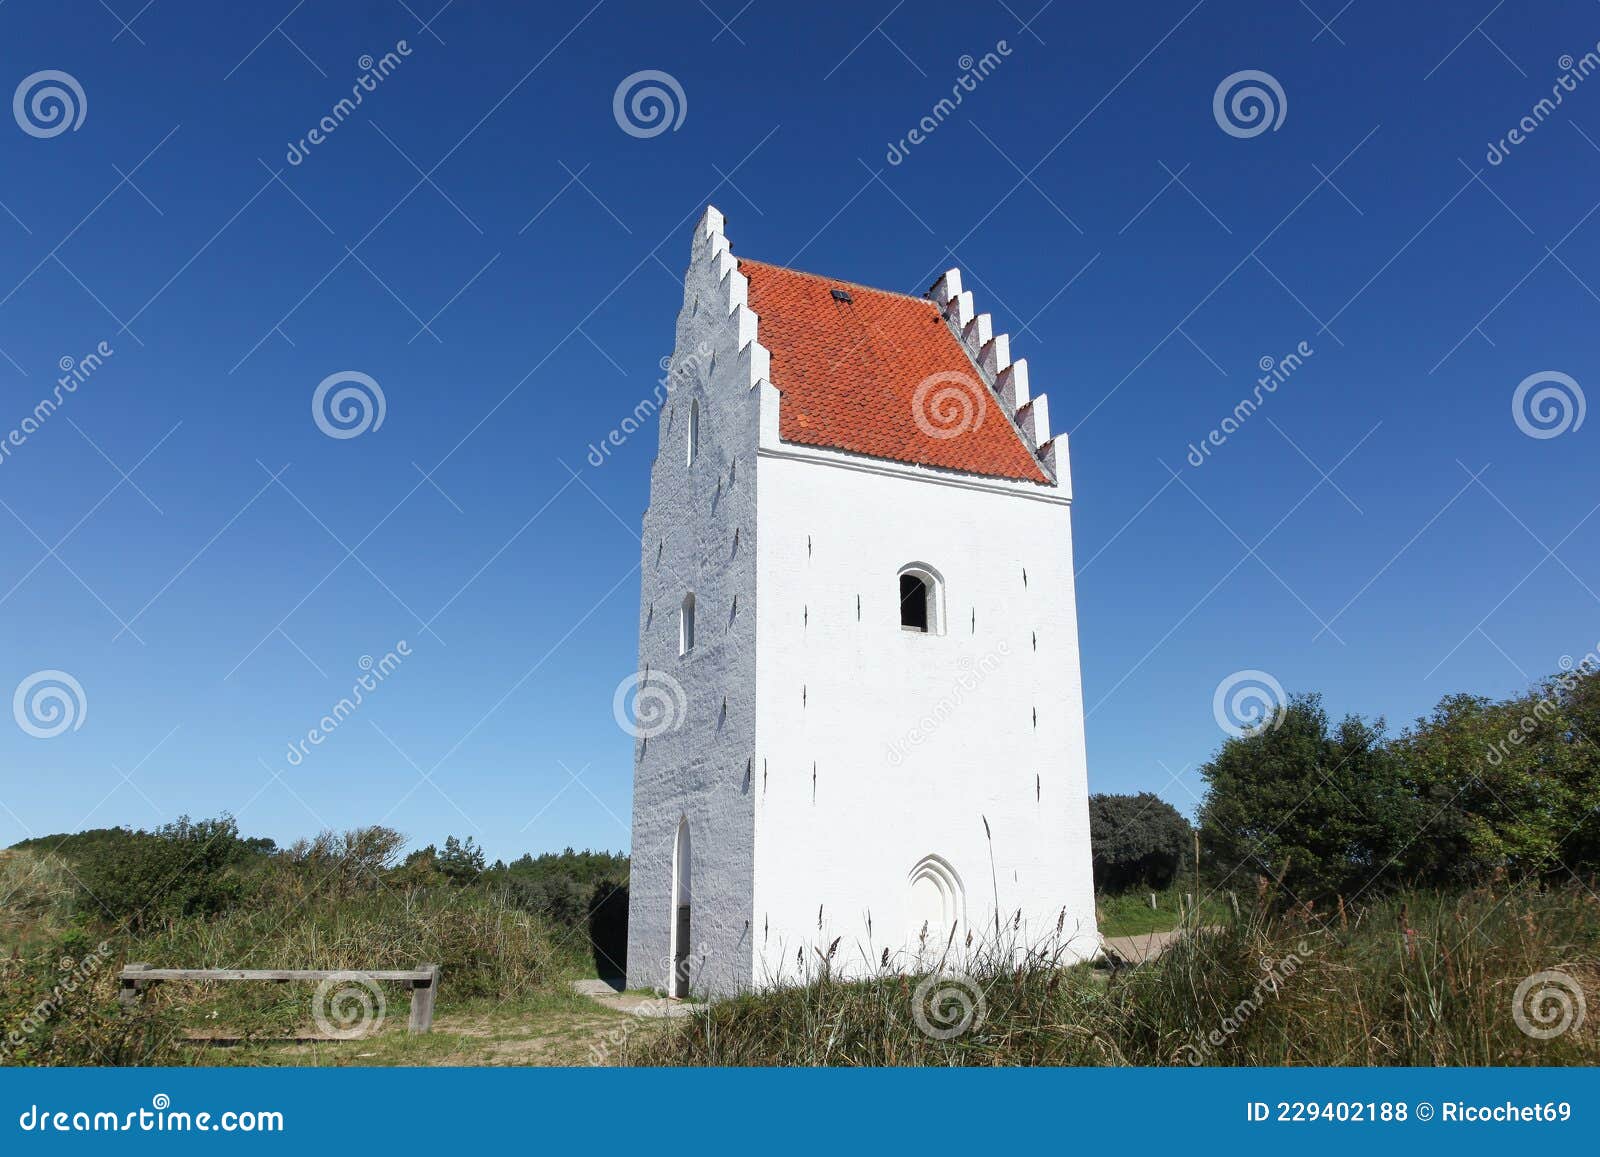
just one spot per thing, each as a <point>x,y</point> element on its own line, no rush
<point>883,746</point>
<point>700,768</point>
<point>824,751</point>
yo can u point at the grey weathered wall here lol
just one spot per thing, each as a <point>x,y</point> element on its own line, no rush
<point>699,535</point>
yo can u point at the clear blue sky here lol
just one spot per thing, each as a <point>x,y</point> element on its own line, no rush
<point>1143,259</point>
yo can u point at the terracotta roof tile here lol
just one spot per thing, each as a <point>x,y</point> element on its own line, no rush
<point>880,375</point>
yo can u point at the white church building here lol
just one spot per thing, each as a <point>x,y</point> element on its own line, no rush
<point>858,611</point>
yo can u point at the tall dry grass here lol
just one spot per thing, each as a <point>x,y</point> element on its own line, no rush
<point>58,988</point>
<point>1419,979</point>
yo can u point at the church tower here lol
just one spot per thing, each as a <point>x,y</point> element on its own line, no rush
<point>860,717</point>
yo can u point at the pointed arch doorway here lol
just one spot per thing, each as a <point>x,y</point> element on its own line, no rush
<point>682,903</point>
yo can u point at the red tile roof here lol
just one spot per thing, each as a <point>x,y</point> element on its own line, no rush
<point>881,375</point>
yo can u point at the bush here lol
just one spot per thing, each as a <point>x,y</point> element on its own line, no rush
<point>560,886</point>
<point>1476,789</point>
<point>59,1007</point>
<point>1137,841</point>
<point>182,869</point>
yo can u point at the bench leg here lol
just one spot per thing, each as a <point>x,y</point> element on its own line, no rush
<point>422,992</point>
<point>128,992</point>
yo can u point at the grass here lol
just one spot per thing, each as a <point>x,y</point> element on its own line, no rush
<point>58,988</point>
<point>1421,978</point>
<point>1418,979</point>
<point>551,1028</point>
<point>1130,914</point>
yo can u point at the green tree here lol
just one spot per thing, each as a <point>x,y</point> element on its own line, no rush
<point>1507,786</point>
<point>1322,812</point>
<point>461,863</point>
<point>1137,841</point>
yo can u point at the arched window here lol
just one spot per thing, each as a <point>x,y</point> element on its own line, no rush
<point>692,435</point>
<point>921,600</point>
<point>938,904</point>
<point>686,625</point>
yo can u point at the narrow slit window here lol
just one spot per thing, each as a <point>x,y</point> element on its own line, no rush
<point>686,625</point>
<point>692,434</point>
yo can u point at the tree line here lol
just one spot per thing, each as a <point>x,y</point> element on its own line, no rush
<point>1478,789</point>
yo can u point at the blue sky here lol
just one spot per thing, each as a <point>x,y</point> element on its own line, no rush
<point>483,239</point>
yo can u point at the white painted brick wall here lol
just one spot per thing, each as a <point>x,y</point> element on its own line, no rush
<point>807,791</point>
<point>699,768</point>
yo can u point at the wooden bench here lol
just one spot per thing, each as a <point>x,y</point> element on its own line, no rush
<point>422,982</point>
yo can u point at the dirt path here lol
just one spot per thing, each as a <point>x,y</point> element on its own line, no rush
<point>1145,946</point>
<point>612,996</point>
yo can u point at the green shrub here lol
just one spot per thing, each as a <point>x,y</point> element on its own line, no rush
<point>187,868</point>
<point>1138,841</point>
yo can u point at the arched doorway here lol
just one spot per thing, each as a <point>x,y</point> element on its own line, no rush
<point>682,901</point>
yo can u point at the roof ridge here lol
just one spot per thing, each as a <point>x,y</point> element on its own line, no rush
<point>838,281</point>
